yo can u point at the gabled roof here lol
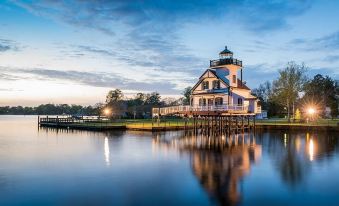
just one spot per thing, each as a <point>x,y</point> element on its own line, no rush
<point>221,75</point>
<point>245,94</point>
<point>215,75</point>
<point>241,85</point>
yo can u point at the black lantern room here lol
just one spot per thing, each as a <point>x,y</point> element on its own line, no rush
<point>225,54</point>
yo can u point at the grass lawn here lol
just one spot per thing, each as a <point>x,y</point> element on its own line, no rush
<point>318,122</point>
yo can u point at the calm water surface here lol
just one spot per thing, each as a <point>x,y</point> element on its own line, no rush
<point>62,167</point>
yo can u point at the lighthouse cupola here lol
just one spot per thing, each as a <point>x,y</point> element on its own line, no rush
<point>225,60</point>
<point>226,54</point>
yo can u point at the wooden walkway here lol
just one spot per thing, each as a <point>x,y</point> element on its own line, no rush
<point>218,110</point>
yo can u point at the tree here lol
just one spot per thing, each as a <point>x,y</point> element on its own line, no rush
<point>322,91</point>
<point>297,115</point>
<point>153,98</point>
<point>287,87</point>
<point>139,99</point>
<point>187,95</point>
<point>264,93</point>
<point>114,96</point>
<point>114,101</point>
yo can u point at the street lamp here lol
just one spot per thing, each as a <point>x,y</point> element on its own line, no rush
<point>311,111</point>
<point>107,111</point>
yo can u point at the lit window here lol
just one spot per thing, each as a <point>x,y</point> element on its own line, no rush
<point>216,84</point>
<point>239,101</point>
<point>202,102</point>
<point>205,85</point>
<point>218,101</point>
<point>234,79</point>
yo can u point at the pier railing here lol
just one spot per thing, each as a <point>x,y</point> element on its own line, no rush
<point>69,119</point>
<point>185,109</point>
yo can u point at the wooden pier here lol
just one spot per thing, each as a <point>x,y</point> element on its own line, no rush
<point>223,124</point>
<point>213,119</point>
<point>207,124</point>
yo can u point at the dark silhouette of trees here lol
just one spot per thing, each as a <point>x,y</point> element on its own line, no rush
<point>186,93</point>
<point>50,109</point>
<point>324,92</point>
<point>293,90</point>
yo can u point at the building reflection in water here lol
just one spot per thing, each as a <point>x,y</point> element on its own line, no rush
<point>106,151</point>
<point>219,163</point>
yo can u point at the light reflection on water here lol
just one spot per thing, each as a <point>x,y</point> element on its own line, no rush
<point>107,152</point>
<point>58,167</point>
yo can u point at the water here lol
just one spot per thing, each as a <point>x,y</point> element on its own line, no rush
<point>62,167</point>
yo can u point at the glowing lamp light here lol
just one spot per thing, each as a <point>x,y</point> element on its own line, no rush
<point>106,111</point>
<point>311,111</point>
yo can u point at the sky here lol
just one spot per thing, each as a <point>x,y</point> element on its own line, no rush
<point>74,52</point>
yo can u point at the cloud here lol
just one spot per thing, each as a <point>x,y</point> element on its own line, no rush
<point>147,31</point>
<point>329,42</point>
<point>95,50</point>
<point>95,79</point>
<point>266,72</point>
<point>8,45</point>
<point>146,52</point>
<point>261,16</point>
<point>8,77</point>
<point>9,90</point>
<point>332,58</point>
<point>104,15</point>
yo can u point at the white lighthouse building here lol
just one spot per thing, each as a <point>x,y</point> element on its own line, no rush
<point>219,91</point>
<point>221,87</point>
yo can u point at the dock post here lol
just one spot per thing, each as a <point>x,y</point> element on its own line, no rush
<point>38,120</point>
<point>242,124</point>
<point>254,123</point>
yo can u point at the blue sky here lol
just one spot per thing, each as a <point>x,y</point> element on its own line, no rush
<point>75,51</point>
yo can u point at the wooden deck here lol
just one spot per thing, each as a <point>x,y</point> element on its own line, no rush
<point>219,110</point>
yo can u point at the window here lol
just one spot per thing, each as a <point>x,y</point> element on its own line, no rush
<point>202,102</point>
<point>205,85</point>
<point>239,101</point>
<point>234,79</point>
<point>216,84</point>
<point>218,101</point>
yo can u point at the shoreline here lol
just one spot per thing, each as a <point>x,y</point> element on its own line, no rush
<point>141,127</point>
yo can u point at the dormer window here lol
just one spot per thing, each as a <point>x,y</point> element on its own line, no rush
<point>216,84</point>
<point>205,85</point>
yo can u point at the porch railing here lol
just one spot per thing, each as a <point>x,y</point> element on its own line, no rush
<point>183,109</point>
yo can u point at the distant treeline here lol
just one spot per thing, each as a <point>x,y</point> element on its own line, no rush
<point>50,109</point>
<point>138,106</point>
